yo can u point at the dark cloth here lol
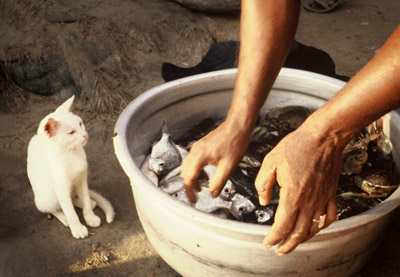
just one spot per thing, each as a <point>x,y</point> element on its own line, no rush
<point>224,55</point>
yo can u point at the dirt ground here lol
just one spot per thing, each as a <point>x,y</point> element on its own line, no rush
<point>132,39</point>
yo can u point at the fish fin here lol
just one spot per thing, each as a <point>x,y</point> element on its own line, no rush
<point>164,127</point>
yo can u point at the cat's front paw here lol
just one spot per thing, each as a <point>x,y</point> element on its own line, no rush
<point>93,221</point>
<point>79,232</point>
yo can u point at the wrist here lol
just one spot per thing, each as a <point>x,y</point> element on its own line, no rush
<point>324,126</point>
<point>240,123</point>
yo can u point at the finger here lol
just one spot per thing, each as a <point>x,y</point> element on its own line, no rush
<point>191,168</point>
<point>317,223</point>
<point>329,216</point>
<point>221,176</point>
<point>331,212</point>
<point>285,219</point>
<point>264,182</point>
<point>298,235</point>
<point>191,194</point>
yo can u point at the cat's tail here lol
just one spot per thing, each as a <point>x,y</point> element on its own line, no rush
<point>104,204</point>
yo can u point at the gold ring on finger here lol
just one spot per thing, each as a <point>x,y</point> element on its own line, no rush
<point>320,221</point>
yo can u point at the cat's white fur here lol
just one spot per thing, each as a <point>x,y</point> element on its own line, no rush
<point>57,169</point>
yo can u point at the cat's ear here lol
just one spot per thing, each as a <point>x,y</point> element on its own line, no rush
<point>50,127</point>
<point>66,106</point>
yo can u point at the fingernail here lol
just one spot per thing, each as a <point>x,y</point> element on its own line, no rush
<point>214,193</point>
<point>280,254</point>
<point>262,201</point>
<point>268,246</point>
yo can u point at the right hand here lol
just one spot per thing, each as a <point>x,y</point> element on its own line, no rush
<point>223,147</point>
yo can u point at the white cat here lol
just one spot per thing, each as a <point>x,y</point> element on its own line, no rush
<point>57,170</point>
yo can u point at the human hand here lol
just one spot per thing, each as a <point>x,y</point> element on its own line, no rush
<point>307,169</point>
<point>223,147</point>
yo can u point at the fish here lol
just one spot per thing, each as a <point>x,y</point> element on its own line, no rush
<point>222,213</point>
<point>228,191</point>
<point>249,162</point>
<point>241,205</point>
<point>265,133</point>
<point>359,189</point>
<point>210,170</point>
<point>294,116</point>
<point>353,161</point>
<point>380,149</point>
<point>205,201</point>
<point>384,144</point>
<point>350,205</point>
<point>164,155</point>
<point>243,179</point>
<point>355,154</point>
<point>148,173</point>
<point>377,185</point>
<point>172,181</point>
<point>182,151</point>
<point>264,214</point>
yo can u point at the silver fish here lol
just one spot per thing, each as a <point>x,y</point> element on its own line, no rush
<point>182,151</point>
<point>249,162</point>
<point>172,185</point>
<point>221,213</point>
<point>241,205</point>
<point>228,191</point>
<point>165,155</point>
<point>210,170</point>
<point>205,201</point>
<point>264,214</point>
<point>172,181</point>
<point>148,173</point>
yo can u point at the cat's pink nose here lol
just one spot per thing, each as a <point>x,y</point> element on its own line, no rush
<point>86,135</point>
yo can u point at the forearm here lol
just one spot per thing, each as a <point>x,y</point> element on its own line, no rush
<point>373,91</point>
<point>267,32</point>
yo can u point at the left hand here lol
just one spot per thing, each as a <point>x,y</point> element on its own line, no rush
<point>307,169</point>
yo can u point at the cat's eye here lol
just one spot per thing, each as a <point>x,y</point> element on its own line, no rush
<point>72,132</point>
<point>80,124</point>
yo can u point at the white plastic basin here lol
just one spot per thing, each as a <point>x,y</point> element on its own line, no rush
<point>198,244</point>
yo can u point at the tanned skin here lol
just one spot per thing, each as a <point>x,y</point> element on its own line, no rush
<point>307,162</point>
